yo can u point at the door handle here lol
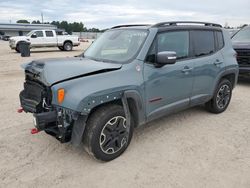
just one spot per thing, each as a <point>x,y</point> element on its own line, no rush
<point>218,62</point>
<point>186,69</point>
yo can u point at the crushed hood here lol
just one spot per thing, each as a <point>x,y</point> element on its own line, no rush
<point>53,71</point>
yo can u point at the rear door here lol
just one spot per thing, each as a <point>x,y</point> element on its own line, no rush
<point>208,62</point>
<point>50,38</point>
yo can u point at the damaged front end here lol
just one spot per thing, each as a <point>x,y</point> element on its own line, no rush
<point>36,98</point>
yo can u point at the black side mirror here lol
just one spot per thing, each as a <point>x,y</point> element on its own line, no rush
<point>166,57</point>
<point>33,35</point>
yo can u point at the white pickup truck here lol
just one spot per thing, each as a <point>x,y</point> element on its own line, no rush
<point>45,38</point>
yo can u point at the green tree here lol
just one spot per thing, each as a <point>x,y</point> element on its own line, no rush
<point>73,27</point>
<point>36,22</point>
<point>22,21</point>
<point>93,30</point>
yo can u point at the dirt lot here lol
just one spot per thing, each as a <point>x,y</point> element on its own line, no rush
<point>189,149</point>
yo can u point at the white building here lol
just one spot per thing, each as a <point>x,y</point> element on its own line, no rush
<point>22,29</point>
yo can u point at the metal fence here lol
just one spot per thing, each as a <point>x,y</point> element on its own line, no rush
<point>87,35</point>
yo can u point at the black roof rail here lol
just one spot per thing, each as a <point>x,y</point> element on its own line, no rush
<point>130,25</point>
<point>175,23</point>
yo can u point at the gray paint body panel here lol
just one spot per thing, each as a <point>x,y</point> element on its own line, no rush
<point>51,71</point>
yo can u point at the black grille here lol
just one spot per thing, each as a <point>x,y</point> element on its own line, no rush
<point>243,58</point>
<point>32,97</point>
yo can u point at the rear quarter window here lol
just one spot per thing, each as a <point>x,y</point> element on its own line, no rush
<point>220,40</point>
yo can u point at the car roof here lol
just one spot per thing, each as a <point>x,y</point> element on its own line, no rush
<point>172,25</point>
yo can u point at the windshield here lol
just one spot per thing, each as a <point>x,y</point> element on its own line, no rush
<point>29,34</point>
<point>117,45</point>
<point>242,36</point>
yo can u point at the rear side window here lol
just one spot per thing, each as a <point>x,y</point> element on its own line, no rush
<point>49,33</point>
<point>204,43</point>
<point>220,39</point>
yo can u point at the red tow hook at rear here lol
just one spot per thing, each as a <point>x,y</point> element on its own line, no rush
<point>34,131</point>
<point>20,110</point>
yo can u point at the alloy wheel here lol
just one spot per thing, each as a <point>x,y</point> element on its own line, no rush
<point>114,135</point>
<point>223,96</point>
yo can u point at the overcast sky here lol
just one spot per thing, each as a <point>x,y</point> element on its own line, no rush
<point>107,13</point>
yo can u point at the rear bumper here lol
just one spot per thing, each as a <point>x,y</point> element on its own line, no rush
<point>76,44</point>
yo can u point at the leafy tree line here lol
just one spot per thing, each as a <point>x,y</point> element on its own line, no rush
<point>68,27</point>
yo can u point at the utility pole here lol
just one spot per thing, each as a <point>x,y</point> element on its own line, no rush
<point>42,16</point>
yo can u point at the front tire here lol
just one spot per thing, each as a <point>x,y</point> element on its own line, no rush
<point>17,48</point>
<point>221,98</point>
<point>107,136</point>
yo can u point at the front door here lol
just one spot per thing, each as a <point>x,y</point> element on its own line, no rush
<point>168,88</point>
<point>37,41</point>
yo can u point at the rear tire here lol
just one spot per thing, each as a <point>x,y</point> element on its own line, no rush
<point>106,136</point>
<point>221,98</point>
<point>68,46</point>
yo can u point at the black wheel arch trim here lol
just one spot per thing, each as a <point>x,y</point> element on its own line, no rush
<point>78,130</point>
<point>135,108</point>
<point>226,72</point>
<point>67,41</point>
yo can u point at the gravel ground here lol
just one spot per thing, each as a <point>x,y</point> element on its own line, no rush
<point>192,148</point>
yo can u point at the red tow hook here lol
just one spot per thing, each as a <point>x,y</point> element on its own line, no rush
<point>34,131</point>
<point>20,110</point>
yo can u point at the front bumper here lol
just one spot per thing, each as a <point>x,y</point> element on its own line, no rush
<point>12,44</point>
<point>41,120</point>
<point>55,123</point>
<point>55,120</point>
<point>244,70</point>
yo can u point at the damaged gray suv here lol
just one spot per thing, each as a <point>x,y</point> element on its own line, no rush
<point>130,75</point>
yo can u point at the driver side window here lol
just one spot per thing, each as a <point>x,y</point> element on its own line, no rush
<point>39,33</point>
<point>177,41</point>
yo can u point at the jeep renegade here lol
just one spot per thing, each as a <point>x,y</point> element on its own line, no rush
<point>130,75</point>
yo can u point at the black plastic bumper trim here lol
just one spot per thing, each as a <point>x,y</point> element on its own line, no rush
<point>42,119</point>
